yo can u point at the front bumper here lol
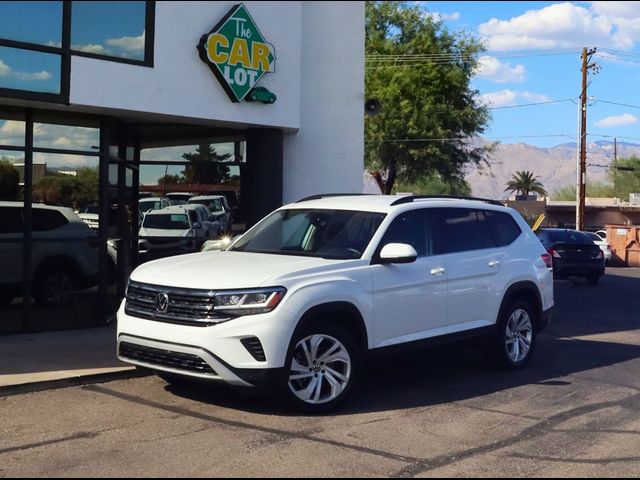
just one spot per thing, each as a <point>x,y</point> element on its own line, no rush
<point>212,353</point>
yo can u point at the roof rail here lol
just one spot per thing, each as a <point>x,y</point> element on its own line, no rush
<point>328,195</point>
<point>411,198</point>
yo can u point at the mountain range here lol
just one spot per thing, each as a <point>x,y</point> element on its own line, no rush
<point>555,166</point>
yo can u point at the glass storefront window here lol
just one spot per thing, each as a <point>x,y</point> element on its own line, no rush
<point>32,22</point>
<point>65,137</point>
<point>11,175</point>
<point>29,70</point>
<point>114,29</point>
<point>216,152</point>
<point>12,131</point>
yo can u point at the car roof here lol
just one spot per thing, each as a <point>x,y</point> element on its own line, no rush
<point>390,203</point>
<point>207,197</point>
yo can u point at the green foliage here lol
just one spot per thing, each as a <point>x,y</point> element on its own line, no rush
<point>203,167</point>
<point>625,177</point>
<point>9,181</point>
<point>434,185</point>
<point>595,190</point>
<point>68,191</point>
<point>525,182</point>
<point>420,100</point>
<point>171,179</point>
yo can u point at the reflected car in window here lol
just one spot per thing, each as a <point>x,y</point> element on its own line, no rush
<point>218,208</point>
<point>64,254</point>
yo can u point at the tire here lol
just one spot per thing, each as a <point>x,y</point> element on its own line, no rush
<point>593,279</point>
<point>55,287</point>
<point>516,332</point>
<point>311,385</point>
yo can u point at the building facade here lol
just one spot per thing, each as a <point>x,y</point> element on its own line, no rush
<point>103,103</point>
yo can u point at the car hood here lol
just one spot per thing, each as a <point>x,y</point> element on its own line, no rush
<point>231,270</point>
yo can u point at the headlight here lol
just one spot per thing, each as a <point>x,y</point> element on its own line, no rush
<point>249,302</point>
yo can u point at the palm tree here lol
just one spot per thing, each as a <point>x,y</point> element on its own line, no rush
<point>524,183</point>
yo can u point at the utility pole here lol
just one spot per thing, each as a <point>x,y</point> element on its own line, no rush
<point>615,149</point>
<point>582,167</point>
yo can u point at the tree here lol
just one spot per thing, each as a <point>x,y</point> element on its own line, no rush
<point>625,176</point>
<point>434,185</point>
<point>170,179</point>
<point>524,182</point>
<point>595,189</point>
<point>204,167</point>
<point>9,181</point>
<point>429,113</point>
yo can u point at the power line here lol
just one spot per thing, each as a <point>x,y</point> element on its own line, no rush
<point>421,140</point>
<point>617,103</point>
<point>534,104</point>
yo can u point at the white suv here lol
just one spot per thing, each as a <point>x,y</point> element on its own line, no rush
<point>300,300</point>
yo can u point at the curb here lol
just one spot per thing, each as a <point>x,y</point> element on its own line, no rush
<point>80,380</point>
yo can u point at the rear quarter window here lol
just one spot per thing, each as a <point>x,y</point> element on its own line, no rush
<point>47,220</point>
<point>504,228</point>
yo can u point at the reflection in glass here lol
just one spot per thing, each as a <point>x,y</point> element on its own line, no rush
<point>32,22</point>
<point>216,152</point>
<point>11,175</point>
<point>29,70</point>
<point>12,132</point>
<point>65,180</point>
<point>115,29</point>
<point>66,137</point>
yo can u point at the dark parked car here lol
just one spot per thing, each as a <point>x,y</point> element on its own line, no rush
<point>574,254</point>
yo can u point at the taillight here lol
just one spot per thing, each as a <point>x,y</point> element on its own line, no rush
<point>547,259</point>
<point>554,253</point>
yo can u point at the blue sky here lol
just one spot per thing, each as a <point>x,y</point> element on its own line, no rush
<point>533,56</point>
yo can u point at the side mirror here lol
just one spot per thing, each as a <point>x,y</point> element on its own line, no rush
<point>398,253</point>
<point>197,226</point>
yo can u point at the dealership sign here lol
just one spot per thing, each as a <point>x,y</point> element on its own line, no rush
<point>237,53</point>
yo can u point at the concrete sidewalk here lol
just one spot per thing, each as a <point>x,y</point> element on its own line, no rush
<point>39,361</point>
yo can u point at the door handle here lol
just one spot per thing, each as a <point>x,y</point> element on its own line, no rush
<point>437,271</point>
<point>494,263</point>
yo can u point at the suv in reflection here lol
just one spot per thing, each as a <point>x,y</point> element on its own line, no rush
<point>299,301</point>
<point>64,254</point>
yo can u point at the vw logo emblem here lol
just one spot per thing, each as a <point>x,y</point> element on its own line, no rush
<point>162,303</point>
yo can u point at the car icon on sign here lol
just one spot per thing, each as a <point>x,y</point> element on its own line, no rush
<point>261,94</point>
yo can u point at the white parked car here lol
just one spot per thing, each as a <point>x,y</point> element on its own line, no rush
<point>178,198</point>
<point>178,228</point>
<point>216,205</point>
<point>91,216</point>
<point>64,254</point>
<point>602,243</point>
<point>300,300</point>
<point>152,203</point>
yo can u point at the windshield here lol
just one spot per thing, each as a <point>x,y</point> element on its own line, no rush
<point>334,234</point>
<point>150,205</point>
<point>177,221</point>
<point>569,236</point>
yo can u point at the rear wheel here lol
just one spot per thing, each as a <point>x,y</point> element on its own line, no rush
<point>516,336</point>
<point>55,288</point>
<point>324,363</point>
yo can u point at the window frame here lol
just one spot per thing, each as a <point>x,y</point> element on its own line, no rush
<point>66,52</point>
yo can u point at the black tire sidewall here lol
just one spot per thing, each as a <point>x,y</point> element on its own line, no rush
<point>500,339</point>
<point>39,294</point>
<point>344,337</point>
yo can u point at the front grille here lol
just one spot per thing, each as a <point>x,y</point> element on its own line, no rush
<point>165,358</point>
<point>189,307</point>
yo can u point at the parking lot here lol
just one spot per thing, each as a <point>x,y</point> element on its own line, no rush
<point>575,411</point>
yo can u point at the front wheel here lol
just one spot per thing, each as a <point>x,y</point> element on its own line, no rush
<point>324,363</point>
<point>516,337</point>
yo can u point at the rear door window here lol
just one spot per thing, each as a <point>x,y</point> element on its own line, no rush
<point>11,220</point>
<point>461,230</point>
